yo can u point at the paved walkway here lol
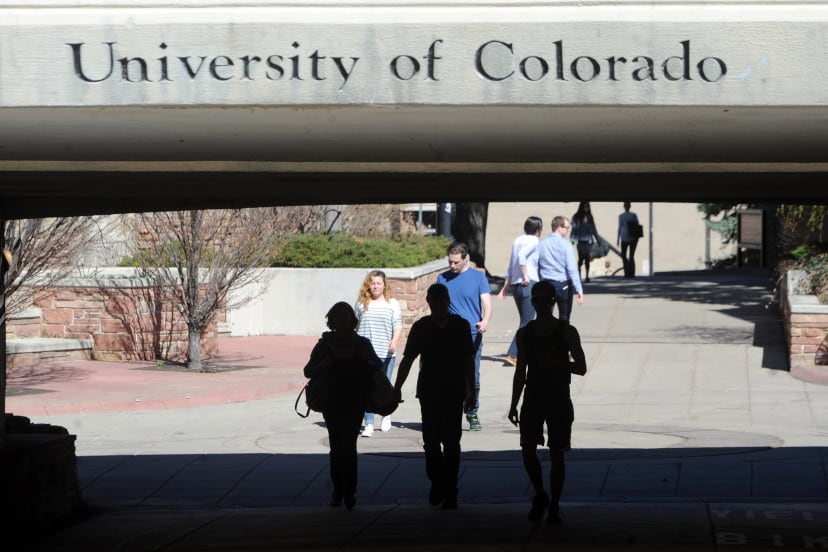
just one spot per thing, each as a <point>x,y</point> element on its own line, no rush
<point>689,435</point>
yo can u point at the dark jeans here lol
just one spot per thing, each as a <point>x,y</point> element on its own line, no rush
<point>523,301</point>
<point>629,263</point>
<point>478,353</point>
<point>564,292</point>
<point>584,250</point>
<point>343,432</point>
<point>442,428</point>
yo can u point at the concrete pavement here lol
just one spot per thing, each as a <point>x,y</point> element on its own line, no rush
<point>689,435</point>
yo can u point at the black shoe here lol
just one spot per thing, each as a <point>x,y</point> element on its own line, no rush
<point>336,499</point>
<point>449,502</point>
<point>539,505</point>
<point>435,496</point>
<point>554,517</point>
<point>350,501</point>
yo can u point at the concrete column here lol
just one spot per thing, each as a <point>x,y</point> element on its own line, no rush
<point>2,331</point>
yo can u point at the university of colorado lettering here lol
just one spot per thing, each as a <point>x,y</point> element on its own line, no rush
<point>494,60</point>
<point>223,67</point>
<point>498,60</point>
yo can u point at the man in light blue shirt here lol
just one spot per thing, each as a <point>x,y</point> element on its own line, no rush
<point>558,266</point>
<point>522,275</point>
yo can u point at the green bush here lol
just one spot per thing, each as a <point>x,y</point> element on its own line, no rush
<point>813,260</point>
<point>344,251</point>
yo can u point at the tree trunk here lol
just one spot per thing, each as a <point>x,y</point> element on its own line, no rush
<point>194,348</point>
<point>470,228</point>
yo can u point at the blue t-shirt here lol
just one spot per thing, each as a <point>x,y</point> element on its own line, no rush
<point>465,290</point>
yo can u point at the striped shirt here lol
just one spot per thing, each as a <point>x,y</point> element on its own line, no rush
<point>377,324</point>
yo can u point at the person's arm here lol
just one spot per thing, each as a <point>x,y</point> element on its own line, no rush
<point>402,375</point>
<point>578,363</point>
<point>502,294</point>
<point>620,222</point>
<point>518,380</point>
<point>486,314</point>
<point>319,359</point>
<point>396,324</point>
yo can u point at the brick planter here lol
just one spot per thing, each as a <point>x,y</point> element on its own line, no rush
<point>806,326</point>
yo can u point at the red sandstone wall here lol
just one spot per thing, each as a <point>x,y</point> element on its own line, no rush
<point>124,323</point>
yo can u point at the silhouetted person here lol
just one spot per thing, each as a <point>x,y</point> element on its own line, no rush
<point>628,240</point>
<point>543,369</point>
<point>352,360</point>
<point>470,298</point>
<point>584,234</point>
<point>444,387</point>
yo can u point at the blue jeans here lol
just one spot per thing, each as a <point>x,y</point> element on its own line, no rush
<point>523,301</point>
<point>388,363</point>
<point>564,292</point>
<point>478,352</point>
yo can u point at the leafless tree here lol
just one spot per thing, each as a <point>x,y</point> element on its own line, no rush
<point>194,258</point>
<point>41,252</point>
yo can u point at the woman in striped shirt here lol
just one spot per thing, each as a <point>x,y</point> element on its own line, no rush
<point>380,321</point>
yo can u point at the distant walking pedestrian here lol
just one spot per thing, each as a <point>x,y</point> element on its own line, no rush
<point>352,362</point>
<point>471,298</point>
<point>628,235</point>
<point>444,387</point>
<point>543,374</point>
<point>557,265</point>
<point>380,321</point>
<point>522,275</point>
<point>584,234</point>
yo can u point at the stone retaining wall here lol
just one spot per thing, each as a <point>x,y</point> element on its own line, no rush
<point>806,328</point>
<point>119,313</point>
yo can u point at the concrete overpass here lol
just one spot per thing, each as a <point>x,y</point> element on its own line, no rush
<point>151,104</point>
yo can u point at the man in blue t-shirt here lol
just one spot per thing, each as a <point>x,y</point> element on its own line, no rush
<point>471,298</point>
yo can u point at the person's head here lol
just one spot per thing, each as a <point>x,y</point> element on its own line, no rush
<point>560,225</point>
<point>543,297</point>
<point>437,297</point>
<point>341,317</point>
<point>375,286</point>
<point>458,257</point>
<point>627,205</point>
<point>584,211</point>
<point>533,226</point>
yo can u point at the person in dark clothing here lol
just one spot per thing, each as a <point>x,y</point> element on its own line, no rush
<point>543,369</point>
<point>584,234</point>
<point>352,360</point>
<point>445,386</point>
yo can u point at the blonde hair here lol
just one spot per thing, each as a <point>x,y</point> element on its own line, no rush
<point>365,290</point>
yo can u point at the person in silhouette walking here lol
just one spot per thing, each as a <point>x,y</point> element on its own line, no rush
<point>542,375</point>
<point>445,386</point>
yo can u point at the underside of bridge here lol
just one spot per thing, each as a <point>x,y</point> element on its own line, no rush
<point>61,161</point>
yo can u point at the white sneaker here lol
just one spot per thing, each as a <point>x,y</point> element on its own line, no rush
<point>368,430</point>
<point>386,423</point>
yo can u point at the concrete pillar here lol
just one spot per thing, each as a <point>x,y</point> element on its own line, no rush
<point>3,331</point>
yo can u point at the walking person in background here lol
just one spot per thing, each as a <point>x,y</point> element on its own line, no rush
<point>471,298</point>
<point>522,275</point>
<point>352,362</point>
<point>584,234</point>
<point>380,322</point>
<point>557,265</point>
<point>544,370</point>
<point>628,238</point>
<point>444,388</point>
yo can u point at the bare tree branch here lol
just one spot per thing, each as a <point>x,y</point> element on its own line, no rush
<point>43,252</point>
<point>194,258</point>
